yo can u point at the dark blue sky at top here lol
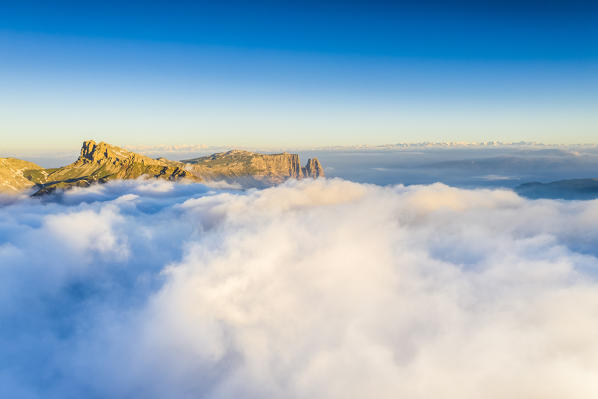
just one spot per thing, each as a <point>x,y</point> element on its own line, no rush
<point>552,30</point>
<point>297,73</point>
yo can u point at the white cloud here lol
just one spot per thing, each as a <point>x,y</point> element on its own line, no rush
<point>88,230</point>
<point>319,288</point>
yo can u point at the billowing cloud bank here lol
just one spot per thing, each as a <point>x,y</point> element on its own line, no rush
<point>313,289</point>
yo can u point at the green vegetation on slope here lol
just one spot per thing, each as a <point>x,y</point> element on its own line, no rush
<point>101,162</point>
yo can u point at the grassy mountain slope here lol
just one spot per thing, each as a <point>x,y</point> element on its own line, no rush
<point>17,175</point>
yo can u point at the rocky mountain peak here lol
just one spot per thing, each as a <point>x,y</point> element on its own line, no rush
<point>91,151</point>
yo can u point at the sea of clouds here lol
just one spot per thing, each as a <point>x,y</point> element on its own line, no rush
<point>311,289</point>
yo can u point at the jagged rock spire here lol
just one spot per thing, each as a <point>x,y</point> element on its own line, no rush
<point>313,168</point>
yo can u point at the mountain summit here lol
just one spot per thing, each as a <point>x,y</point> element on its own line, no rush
<point>102,162</point>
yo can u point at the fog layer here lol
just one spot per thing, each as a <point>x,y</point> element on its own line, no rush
<point>311,289</point>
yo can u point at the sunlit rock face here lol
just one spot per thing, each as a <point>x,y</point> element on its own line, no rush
<point>313,168</point>
<point>102,162</point>
<point>269,168</point>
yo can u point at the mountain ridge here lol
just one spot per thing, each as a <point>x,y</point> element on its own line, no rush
<point>571,189</point>
<point>100,162</point>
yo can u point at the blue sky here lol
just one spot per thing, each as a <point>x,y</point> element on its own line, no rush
<point>297,74</point>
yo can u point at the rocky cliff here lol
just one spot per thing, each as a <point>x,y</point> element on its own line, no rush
<point>313,169</point>
<point>101,162</point>
<point>268,168</point>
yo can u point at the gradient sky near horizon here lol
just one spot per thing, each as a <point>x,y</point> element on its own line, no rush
<point>272,73</point>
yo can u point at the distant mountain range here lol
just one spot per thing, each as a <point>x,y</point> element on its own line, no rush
<point>571,189</point>
<point>101,162</point>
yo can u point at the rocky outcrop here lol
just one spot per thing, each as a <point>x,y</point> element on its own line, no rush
<point>313,169</point>
<point>102,162</point>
